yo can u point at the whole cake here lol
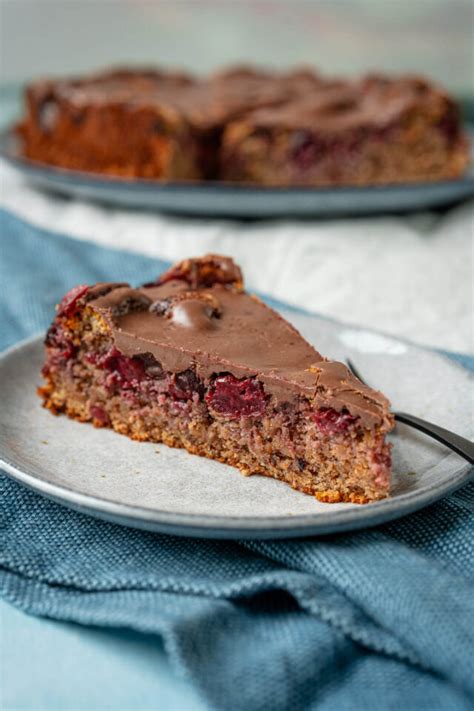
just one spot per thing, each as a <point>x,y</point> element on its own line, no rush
<point>194,361</point>
<point>246,125</point>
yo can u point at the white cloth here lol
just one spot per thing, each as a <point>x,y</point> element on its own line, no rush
<point>408,276</point>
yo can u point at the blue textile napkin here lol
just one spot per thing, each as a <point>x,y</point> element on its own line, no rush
<point>376,619</point>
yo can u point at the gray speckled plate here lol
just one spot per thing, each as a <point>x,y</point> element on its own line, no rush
<point>150,486</point>
<point>232,200</point>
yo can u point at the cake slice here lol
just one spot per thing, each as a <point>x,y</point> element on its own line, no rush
<point>196,362</point>
<point>376,130</point>
<point>125,123</point>
<point>142,122</point>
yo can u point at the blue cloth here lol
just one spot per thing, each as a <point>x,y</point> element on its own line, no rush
<point>376,619</point>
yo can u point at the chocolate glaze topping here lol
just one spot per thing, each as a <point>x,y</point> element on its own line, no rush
<point>205,103</point>
<point>335,105</point>
<point>297,99</point>
<point>218,328</point>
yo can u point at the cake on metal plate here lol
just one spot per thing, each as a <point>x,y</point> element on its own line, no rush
<point>194,361</point>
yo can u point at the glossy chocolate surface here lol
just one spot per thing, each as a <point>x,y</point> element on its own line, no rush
<point>299,98</point>
<point>219,328</point>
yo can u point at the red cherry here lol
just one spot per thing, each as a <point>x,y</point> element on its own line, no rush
<point>69,303</point>
<point>329,421</point>
<point>236,398</point>
<point>127,371</point>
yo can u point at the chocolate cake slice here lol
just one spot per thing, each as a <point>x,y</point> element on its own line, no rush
<point>375,130</point>
<point>145,123</point>
<point>123,122</point>
<point>196,362</point>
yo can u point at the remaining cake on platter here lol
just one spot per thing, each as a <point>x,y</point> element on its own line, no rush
<point>196,362</point>
<point>246,125</point>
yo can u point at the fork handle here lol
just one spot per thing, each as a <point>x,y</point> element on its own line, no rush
<point>460,445</point>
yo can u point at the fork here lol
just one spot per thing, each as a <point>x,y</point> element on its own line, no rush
<point>460,445</point>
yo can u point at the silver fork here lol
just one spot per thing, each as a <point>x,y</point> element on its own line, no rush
<point>460,445</point>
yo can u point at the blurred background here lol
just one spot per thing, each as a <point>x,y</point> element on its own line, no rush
<point>347,36</point>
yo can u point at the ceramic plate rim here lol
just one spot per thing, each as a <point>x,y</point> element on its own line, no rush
<point>207,526</point>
